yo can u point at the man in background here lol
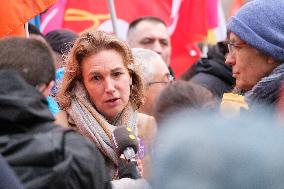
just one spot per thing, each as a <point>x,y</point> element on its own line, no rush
<point>150,33</point>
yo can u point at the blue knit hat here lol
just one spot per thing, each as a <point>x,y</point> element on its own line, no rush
<point>260,23</point>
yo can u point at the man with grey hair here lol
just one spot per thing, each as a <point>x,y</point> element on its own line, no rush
<point>156,76</point>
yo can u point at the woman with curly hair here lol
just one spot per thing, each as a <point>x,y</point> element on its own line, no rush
<point>102,89</point>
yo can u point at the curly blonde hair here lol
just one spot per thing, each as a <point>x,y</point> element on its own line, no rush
<point>91,42</point>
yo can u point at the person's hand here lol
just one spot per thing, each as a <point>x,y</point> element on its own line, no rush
<point>128,169</point>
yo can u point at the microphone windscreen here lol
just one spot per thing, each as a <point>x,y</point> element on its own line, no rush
<point>123,137</point>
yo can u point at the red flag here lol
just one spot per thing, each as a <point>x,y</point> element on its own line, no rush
<point>212,9</point>
<point>93,13</point>
<point>192,26</point>
<point>15,13</point>
<point>188,23</point>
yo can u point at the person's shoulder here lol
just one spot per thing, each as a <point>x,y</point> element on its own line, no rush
<point>147,126</point>
<point>85,160</point>
<point>146,120</point>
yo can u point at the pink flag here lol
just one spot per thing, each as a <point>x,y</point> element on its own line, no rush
<point>53,18</point>
<point>212,13</point>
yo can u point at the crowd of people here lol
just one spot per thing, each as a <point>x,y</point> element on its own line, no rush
<point>63,95</point>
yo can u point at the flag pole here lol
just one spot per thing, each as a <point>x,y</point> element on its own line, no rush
<point>27,30</point>
<point>113,16</point>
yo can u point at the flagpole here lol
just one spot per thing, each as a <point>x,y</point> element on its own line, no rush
<point>113,15</point>
<point>27,30</point>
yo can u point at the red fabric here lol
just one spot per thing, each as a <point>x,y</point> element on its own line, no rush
<point>15,13</point>
<point>192,27</point>
<point>125,9</point>
<point>212,9</point>
<point>236,6</point>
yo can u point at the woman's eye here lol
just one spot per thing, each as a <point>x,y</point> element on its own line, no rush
<point>117,74</point>
<point>96,77</point>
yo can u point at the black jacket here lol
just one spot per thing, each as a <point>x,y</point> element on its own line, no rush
<point>8,179</point>
<point>42,154</point>
<point>212,72</point>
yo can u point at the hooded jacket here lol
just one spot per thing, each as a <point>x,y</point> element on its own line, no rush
<point>42,154</point>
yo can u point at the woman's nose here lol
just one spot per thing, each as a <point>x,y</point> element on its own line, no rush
<point>109,85</point>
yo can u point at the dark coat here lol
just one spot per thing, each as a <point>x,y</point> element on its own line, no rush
<point>212,72</point>
<point>8,179</point>
<point>42,154</point>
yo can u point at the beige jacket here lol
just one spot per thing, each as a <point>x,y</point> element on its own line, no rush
<point>147,129</point>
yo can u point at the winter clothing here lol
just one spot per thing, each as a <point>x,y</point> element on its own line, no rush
<point>209,152</point>
<point>43,155</point>
<point>266,91</point>
<point>52,105</point>
<point>8,179</point>
<point>83,117</point>
<point>212,72</point>
<point>81,113</point>
<point>260,24</point>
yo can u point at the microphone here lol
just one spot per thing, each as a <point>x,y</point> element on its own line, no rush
<point>125,142</point>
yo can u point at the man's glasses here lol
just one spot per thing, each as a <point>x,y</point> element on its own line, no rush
<point>233,46</point>
<point>168,80</point>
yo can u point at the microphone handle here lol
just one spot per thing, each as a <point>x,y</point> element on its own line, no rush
<point>129,154</point>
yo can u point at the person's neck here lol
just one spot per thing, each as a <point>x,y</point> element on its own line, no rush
<point>114,120</point>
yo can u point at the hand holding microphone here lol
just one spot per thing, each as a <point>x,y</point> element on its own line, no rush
<point>125,142</point>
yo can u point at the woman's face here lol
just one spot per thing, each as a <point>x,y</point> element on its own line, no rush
<point>107,81</point>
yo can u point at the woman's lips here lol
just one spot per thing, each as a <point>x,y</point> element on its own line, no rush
<point>112,102</point>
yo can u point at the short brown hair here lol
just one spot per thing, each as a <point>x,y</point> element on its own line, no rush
<point>181,95</point>
<point>31,58</point>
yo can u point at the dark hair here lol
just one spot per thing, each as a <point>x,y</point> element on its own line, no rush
<point>153,19</point>
<point>181,95</point>
<point>31,58</point>
<point>61,40</point>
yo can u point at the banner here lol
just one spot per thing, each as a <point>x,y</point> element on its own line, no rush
<point>15,13</point>
<point>187,21</point>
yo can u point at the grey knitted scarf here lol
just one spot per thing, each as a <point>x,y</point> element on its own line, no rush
<point>266,91</point>
<point>90,123</point>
